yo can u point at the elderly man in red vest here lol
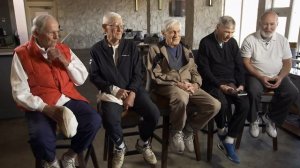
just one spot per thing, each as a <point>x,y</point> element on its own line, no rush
<point>44,74</point>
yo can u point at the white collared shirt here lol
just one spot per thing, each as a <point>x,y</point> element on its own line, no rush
<point>21,90</point>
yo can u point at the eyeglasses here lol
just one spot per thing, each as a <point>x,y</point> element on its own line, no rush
<point>52,33</point>
<point>117,26</point>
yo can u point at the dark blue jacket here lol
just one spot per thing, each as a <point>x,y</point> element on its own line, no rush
<point>126,74</point>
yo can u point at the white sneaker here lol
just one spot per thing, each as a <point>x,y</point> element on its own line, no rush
<point>254,129</point>
<point>67,162</point>
<point>147,152</point>
<point>118,158</point>
<point>270,127</point>
<point>176,142</point>
<point>55,164</point>
<point>189,142</point>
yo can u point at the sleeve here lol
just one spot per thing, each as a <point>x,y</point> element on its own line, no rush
<point>246,49</point>
<point>77,70</point>
<point>195,76</point>
<point>136,79</point>
<point>204,65</point>
<point>154,67</point>
<point>95,73</point>
<point>239,72</point>
<point>287,54</point>
<point>20,88</point>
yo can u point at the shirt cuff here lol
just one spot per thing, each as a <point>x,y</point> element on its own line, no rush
<point>41,107</point>
<point>115,90</point>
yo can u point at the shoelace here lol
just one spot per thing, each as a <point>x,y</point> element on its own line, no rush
<point>70,162</point>
<point>178,137</point>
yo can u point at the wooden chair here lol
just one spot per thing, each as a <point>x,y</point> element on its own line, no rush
<point>82,159</point>
<point>265,100</point>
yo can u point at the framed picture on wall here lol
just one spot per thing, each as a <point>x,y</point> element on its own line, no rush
<point>177,8</point>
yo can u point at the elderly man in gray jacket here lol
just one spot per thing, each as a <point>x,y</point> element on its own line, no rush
<point>174,73</point>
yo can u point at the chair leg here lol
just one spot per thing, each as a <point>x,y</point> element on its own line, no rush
<point>197,146</point>
<point>275,145</point>
<point>110,153</point>
<point>210,139</point>
<point>165,142</point>
<point>38,163</point>
<point>105,148</point>
<point>81,160</point>
<point>91,152</point>
<point>239,139</point>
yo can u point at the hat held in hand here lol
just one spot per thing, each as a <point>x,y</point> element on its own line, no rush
<point>69,125</point>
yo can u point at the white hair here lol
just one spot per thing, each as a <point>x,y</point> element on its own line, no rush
<point>39,22</point>
<point>226,20</point>
<point>110,16</point>
<point>169,24</point>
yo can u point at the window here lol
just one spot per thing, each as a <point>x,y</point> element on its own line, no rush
<point>244,12</point>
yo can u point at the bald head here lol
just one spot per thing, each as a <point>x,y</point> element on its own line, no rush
<point>268,24</point>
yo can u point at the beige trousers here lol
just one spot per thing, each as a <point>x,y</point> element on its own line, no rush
<point>206,105</point>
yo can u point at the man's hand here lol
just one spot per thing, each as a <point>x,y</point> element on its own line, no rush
<point>276,82</point>
<point>270,83</point>
<point>129,100</point>
<point>240,88</point>
<point>228,89</point>
<point>122,94</point>
<point>54,112</point>
<point>54,54</point>
<point>188,87</point>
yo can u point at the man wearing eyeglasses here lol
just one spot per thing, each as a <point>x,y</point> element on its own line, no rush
<point>116,70</point>
<point>44,74</point>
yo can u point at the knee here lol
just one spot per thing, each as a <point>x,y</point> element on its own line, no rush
<point>153,114</point>
<point>216,106</point>
<point>94,122</point>
<point>179,100</point>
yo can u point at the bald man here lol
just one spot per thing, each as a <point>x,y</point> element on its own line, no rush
<point>267,58</point>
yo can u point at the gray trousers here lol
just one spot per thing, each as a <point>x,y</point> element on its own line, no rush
<point>207,106</point>
<point>284,96</point>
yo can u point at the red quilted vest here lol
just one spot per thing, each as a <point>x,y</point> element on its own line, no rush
<point>48,81</point>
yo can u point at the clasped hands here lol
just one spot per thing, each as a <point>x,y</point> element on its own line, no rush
<point>271,83</point>
<point>127,96</point>
<point>188,87</point>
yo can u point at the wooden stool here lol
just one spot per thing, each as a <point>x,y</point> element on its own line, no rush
<point>163,105</point>
<point>266,99</point>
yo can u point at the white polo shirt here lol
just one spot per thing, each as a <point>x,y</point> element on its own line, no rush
<point>265,56</point>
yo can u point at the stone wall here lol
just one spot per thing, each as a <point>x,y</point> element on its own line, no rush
<point>84,18</point>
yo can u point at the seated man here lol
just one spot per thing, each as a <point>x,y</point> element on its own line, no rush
<point>267,58</point>
<point>43,78</point>
<point>174,74</point>
<point>220,64</point>
<point>116,70</point>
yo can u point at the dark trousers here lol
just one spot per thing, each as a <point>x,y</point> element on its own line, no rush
<point>143,105</point>
<point>237,121</point>
<point>284,97</point>
<point>42,130</point>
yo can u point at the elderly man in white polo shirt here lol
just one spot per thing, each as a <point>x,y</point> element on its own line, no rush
<point>267,58</point>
